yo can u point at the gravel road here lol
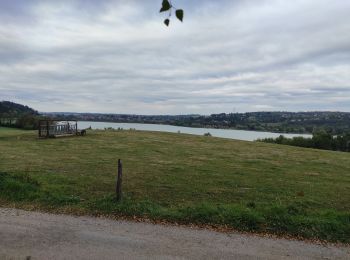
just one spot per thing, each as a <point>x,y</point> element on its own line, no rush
<point>35,235</point>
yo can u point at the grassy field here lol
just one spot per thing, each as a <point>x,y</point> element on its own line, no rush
<point>181,178</point>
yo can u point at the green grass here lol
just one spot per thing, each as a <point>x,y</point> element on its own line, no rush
<point>181,178</point>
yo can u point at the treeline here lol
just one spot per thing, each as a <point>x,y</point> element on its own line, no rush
<point>320,140</point>
<point>282,122</point>
<point>27,122</point>
<point>18,116</point>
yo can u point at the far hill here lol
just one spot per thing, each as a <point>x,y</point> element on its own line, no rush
<point>17,115</point>
<point>11,109</point>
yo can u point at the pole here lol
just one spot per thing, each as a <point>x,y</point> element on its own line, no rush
<point>119,181</point>
<point>48,129</point>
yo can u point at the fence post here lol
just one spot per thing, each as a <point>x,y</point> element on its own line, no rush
<point>48,129</point>
<point>119,181</point>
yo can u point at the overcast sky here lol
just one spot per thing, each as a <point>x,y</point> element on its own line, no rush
<point>228,56</point>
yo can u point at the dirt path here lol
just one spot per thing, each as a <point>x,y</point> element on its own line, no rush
<point>46,236</point>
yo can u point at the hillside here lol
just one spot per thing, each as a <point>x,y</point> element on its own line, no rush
<point>17,115</point>
<point>10,109</point>
<point>181,178</point>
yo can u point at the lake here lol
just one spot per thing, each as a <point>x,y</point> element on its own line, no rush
<point>223,133</point>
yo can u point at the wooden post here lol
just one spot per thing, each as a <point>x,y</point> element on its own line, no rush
<point>48,129</point>
<point>119,181</point>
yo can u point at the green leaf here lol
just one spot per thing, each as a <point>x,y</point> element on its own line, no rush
<point>180,14</point>
<point>165,6</point>
<point>167,21</point>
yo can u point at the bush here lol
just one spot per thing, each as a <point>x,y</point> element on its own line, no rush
<point>319,140</point>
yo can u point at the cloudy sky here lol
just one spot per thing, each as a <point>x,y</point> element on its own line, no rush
<point>117,56</point>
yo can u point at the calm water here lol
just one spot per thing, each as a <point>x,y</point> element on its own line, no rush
<point>223,133</point>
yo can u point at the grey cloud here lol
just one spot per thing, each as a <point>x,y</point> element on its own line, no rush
<point>116,56</point>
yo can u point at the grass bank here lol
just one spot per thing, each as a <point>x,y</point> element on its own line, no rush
<point>182,178</point>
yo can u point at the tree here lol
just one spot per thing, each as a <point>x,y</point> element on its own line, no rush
<point>168,7</point>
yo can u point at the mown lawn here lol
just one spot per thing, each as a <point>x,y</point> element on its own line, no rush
<point>181,178</point>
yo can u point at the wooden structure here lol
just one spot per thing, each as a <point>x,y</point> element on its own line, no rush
<point>57,128</point>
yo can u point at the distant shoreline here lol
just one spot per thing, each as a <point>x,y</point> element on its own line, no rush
<point>275,122</point>
<point>204,126</point>
<point>243,135</point>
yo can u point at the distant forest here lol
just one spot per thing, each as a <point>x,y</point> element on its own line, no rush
<point>335,123</point>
